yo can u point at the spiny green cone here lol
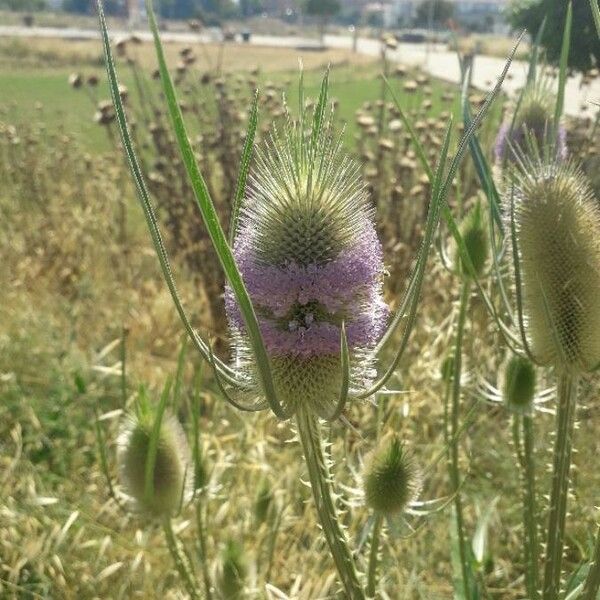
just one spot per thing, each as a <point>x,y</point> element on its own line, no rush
<point>474,234</point>
<point>232,572</point>
<point>391,478</point>
<point>557,228</point>
<point>519,384</point>
<point>172,474</point>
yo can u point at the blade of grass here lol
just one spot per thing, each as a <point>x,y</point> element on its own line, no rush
<point>153,443</point>
<point>595,15</point>
<point>240,188</point>
<point>144,199</point>
<point>562,72</point>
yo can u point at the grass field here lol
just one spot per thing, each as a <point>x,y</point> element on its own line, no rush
<point>34,79</point>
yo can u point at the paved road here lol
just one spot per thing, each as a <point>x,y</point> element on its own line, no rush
<point>436,59</point>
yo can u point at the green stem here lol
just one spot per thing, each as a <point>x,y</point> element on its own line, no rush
<point>320,481</point>
<point>592,581</point>
<point>530,511</point>
<point>454,422</point>
<point>565,422</point>
<point>374,556</point>
<point>181,561</point>
<point>202,553</point>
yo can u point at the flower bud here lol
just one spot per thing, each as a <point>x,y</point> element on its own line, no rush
<point>475,238</point>
<point>310,258</point>
<point>519,383</point>
<point>391,479</point>
<point>263,501</point>
<point>172,475</point>
<point>232,572</point>
<point>557,222</point>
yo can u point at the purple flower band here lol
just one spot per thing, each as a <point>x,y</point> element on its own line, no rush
<point>333,284</point>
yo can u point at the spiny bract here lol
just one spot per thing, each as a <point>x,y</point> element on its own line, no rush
<point>391,480</point>
<point>557,228</point>
<point>529,122</point>
<point>309,255</point>
<point>173,473</point>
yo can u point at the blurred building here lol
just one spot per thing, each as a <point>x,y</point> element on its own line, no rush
<point>469,13</point>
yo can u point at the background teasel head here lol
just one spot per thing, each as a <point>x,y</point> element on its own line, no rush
<point>519,384</point>
<point>555,222</point>
<point>310,258</point>
<point>172,476</point>
<point>529,124</point>
<point>392,480</point>
<point>475,237</point>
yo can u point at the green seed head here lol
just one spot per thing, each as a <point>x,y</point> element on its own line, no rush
<point>170,483</point>
<point>519,384</point>
<point>474,233</point>
<point>557,229</point>
<point>447,368</point>
<point>391,480</point>
<point>263,501</point>
<point>232,572</point>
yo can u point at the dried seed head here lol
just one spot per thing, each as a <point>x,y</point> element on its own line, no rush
<point>172,476</point>
<point>309,254</point>
<point>519,383</point>
<point>557,228</point>
<point>391,479</point>
<point>528,125</point>
<point>474,234</point>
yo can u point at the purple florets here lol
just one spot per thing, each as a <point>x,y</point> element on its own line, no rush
<point>300,308</point>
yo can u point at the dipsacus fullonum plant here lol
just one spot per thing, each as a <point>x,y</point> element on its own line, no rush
<point>304,271</point>
<point>555,227</point>
<point>310,258</point>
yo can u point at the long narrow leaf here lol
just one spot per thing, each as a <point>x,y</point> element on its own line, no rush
<point>562,72</point>
<point>153,443</point>
<point>596,14</point>
<point>213,226</point>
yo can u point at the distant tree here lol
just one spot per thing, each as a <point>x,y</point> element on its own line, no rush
<point>111,7</point>
<point>438,11</point>
<point>250,7</point>
<point>323,10</point>
<point>584,52</point>
<point>24,5</point>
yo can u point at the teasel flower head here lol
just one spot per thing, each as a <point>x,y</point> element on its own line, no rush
<point>392,480</point>
<point>309,255</point>
<point>172,476</point>
<point>529,122</point>
<point>555,224</point>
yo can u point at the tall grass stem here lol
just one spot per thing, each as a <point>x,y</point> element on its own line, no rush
<point>454,423</point>
<point>563,444</point>
<point>319,475</point>
<point>374,556</point>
